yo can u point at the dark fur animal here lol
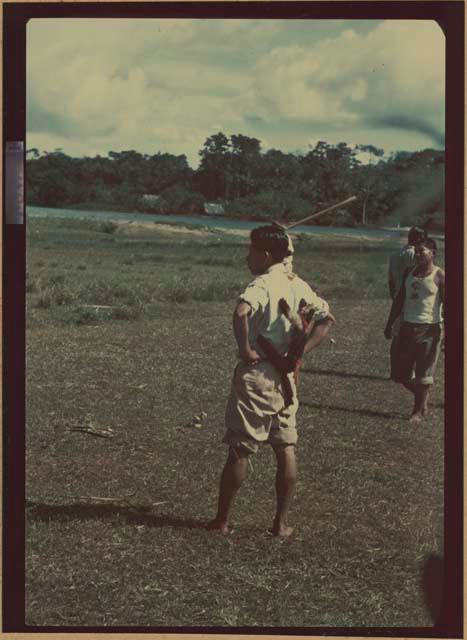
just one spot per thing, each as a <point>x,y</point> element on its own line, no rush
<point>302,323</point>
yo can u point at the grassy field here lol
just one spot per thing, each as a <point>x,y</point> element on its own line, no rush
<point>128,336</point>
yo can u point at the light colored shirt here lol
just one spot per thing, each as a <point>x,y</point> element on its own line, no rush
<point>398,264</point>
<point>422,299</point>
<point>263,295</point>
<point>288,260</point>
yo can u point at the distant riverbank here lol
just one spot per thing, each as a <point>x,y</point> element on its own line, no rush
<point>206,222</point>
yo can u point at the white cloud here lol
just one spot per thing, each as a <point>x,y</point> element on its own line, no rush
<point>397,68</point>
<point>165,85</point>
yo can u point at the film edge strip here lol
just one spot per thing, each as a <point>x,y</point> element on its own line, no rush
<point>14,182</point>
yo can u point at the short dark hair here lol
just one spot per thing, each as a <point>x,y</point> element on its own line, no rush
<point>430,243</point>
<point>416,234</point>
<point>273,239</point>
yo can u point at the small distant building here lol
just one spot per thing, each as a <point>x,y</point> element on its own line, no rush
<point>213,209</point>
<point>149,201</point>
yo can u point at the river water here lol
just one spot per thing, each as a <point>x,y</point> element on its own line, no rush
<point>201,221</point>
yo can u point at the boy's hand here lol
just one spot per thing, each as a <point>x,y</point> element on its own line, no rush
<point>249,355</point>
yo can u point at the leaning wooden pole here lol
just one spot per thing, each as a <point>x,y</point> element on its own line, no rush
<point>318,213</point>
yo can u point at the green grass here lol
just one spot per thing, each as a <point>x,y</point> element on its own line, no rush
<point>142,345</point>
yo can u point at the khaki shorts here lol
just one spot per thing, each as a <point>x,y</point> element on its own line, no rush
<point>255,412</point>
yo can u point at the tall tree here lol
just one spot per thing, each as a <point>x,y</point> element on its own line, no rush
<point>245,164</point>
<point>368,177</point>
<point>214,165</point>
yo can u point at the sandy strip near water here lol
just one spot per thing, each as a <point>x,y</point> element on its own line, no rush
<point>137,227</point>
<point>168,229</point>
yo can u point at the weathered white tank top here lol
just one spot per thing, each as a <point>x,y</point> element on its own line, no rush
<point>422,299</point>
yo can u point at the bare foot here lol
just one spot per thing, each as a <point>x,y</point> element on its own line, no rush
<point>416,417</point>
<point>220,526</point>
<point>281,530</point>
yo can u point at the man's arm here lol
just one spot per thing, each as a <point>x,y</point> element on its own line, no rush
<point>397,306</point>
<point>440,281</point>
<point>391,280</point>
<point>241,333</point>
<point>396,310</point>
<point>391,286</point>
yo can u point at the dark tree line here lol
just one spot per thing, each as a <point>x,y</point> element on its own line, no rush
<point>235,172</point>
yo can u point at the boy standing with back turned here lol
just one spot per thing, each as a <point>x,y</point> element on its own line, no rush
<point>256,411</point>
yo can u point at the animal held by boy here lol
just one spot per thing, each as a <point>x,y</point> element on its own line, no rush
<point>302,324</point>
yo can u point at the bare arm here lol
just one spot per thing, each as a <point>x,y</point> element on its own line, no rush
<point>391,286</point>
<point>440,278</point>
<point>319,332</point>
<point>391,282</point>
<point>396,310</point>
<point>397,306</point>
<point>241,333</point>
<point>440,281</point>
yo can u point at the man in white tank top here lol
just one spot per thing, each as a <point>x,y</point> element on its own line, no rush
<point>419,303</point>
<point>398,264</point>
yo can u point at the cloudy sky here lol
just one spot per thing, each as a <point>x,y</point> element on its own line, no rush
<point>100,85</point>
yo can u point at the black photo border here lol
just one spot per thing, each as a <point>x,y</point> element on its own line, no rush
<point>450,16</point>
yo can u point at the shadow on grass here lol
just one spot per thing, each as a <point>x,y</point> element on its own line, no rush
<point>132,514</point>
<point>343,374</point>
<point>362,412</point>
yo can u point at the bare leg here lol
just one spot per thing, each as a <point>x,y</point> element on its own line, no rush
<point>394,352</point>
<point>429,401</point>
<point>286,477</point>
<point>232,477</point>
<point>422,391</point>
<point>410,386</point>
